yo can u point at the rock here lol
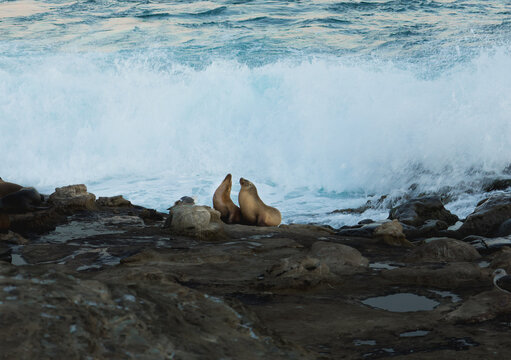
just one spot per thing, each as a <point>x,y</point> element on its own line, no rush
<point>150,216</point>
<point>201,222</point>
<point>502,259</point>
<point>71,198</point>
<point>431,228</point>
<point>340,259</point>
<point>443,249</point>
<point>143,257</point>
<point>391,233</point>
<point>349,211</point>
<point>411,232</point>
<point>13,238</point>
<point>113,201</point>
<point>36,222</point>
<point>362,230</point>
<point>273,244</point>
<point>497,184</point>
<point>5,222</point>
<point>370,204</point>
<point>504,229</point>
<point>443,276</point>
<point>366,221</point>
<point>138,312</point>
<point>482,243</point>
<point>481,307</point>
<point>41,253</point>
<point>122,220</point>
<point>417,211</point>
<point>5,253</point>
<point>488,216</point>
<point>308,228</point>
<point>296,272</point>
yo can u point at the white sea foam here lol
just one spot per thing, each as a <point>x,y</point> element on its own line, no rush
<point>314,136</point>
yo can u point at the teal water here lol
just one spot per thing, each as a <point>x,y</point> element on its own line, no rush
<point>322,104</point>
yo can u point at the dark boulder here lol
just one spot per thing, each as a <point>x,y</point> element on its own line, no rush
<point>485,244</point>
<point>431,228</point>
<point>498,184</point>
<point>113,201</point>
<point>416,212</point>
<point>365,230</point>
<point>36,222</point>
<point>150,216</point>
<point>5,222</point>
<point>504,228</point>
<point>488,216</point>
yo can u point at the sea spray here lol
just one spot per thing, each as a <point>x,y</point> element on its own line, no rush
<point>326,125</point>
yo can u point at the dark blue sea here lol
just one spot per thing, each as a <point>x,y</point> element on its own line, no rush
<point>322,104</point>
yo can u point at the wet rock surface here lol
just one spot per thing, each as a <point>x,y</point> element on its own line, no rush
<point>416,212</point>
<point>443,249</point>
<point>113,201</point>
<point>488,216</point>
<point>340,259</point>
<point>115,282</point>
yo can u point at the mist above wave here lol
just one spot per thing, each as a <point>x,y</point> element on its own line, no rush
<point>325,124</point>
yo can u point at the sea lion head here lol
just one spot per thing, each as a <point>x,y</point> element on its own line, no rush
<point>246,184</point>
<point>228,182</point>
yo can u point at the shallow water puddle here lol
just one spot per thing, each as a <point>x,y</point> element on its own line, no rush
<point>260,236</point>
<point>252,243</point>
<point>358,342</point>
<point>382,266</point>
<point>16,258</point>
<point>402,302</point>
<point>77,230</point>
<point>381,352</point>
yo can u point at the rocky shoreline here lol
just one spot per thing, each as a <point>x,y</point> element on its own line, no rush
<point>87,278</point>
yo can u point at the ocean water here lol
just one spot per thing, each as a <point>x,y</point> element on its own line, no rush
<point>322,104</point>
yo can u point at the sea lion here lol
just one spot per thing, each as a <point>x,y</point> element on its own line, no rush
<point>229,212</point>
<point>253,210</point>
<point>24,200</point>
<point>7,188</point>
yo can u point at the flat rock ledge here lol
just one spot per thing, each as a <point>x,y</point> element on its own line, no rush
<point>104,279</point>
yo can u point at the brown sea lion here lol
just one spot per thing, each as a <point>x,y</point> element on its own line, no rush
<point>24,200</point>
<point>229,213</point>
<point>253,210</point>
<point>7,188</point>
